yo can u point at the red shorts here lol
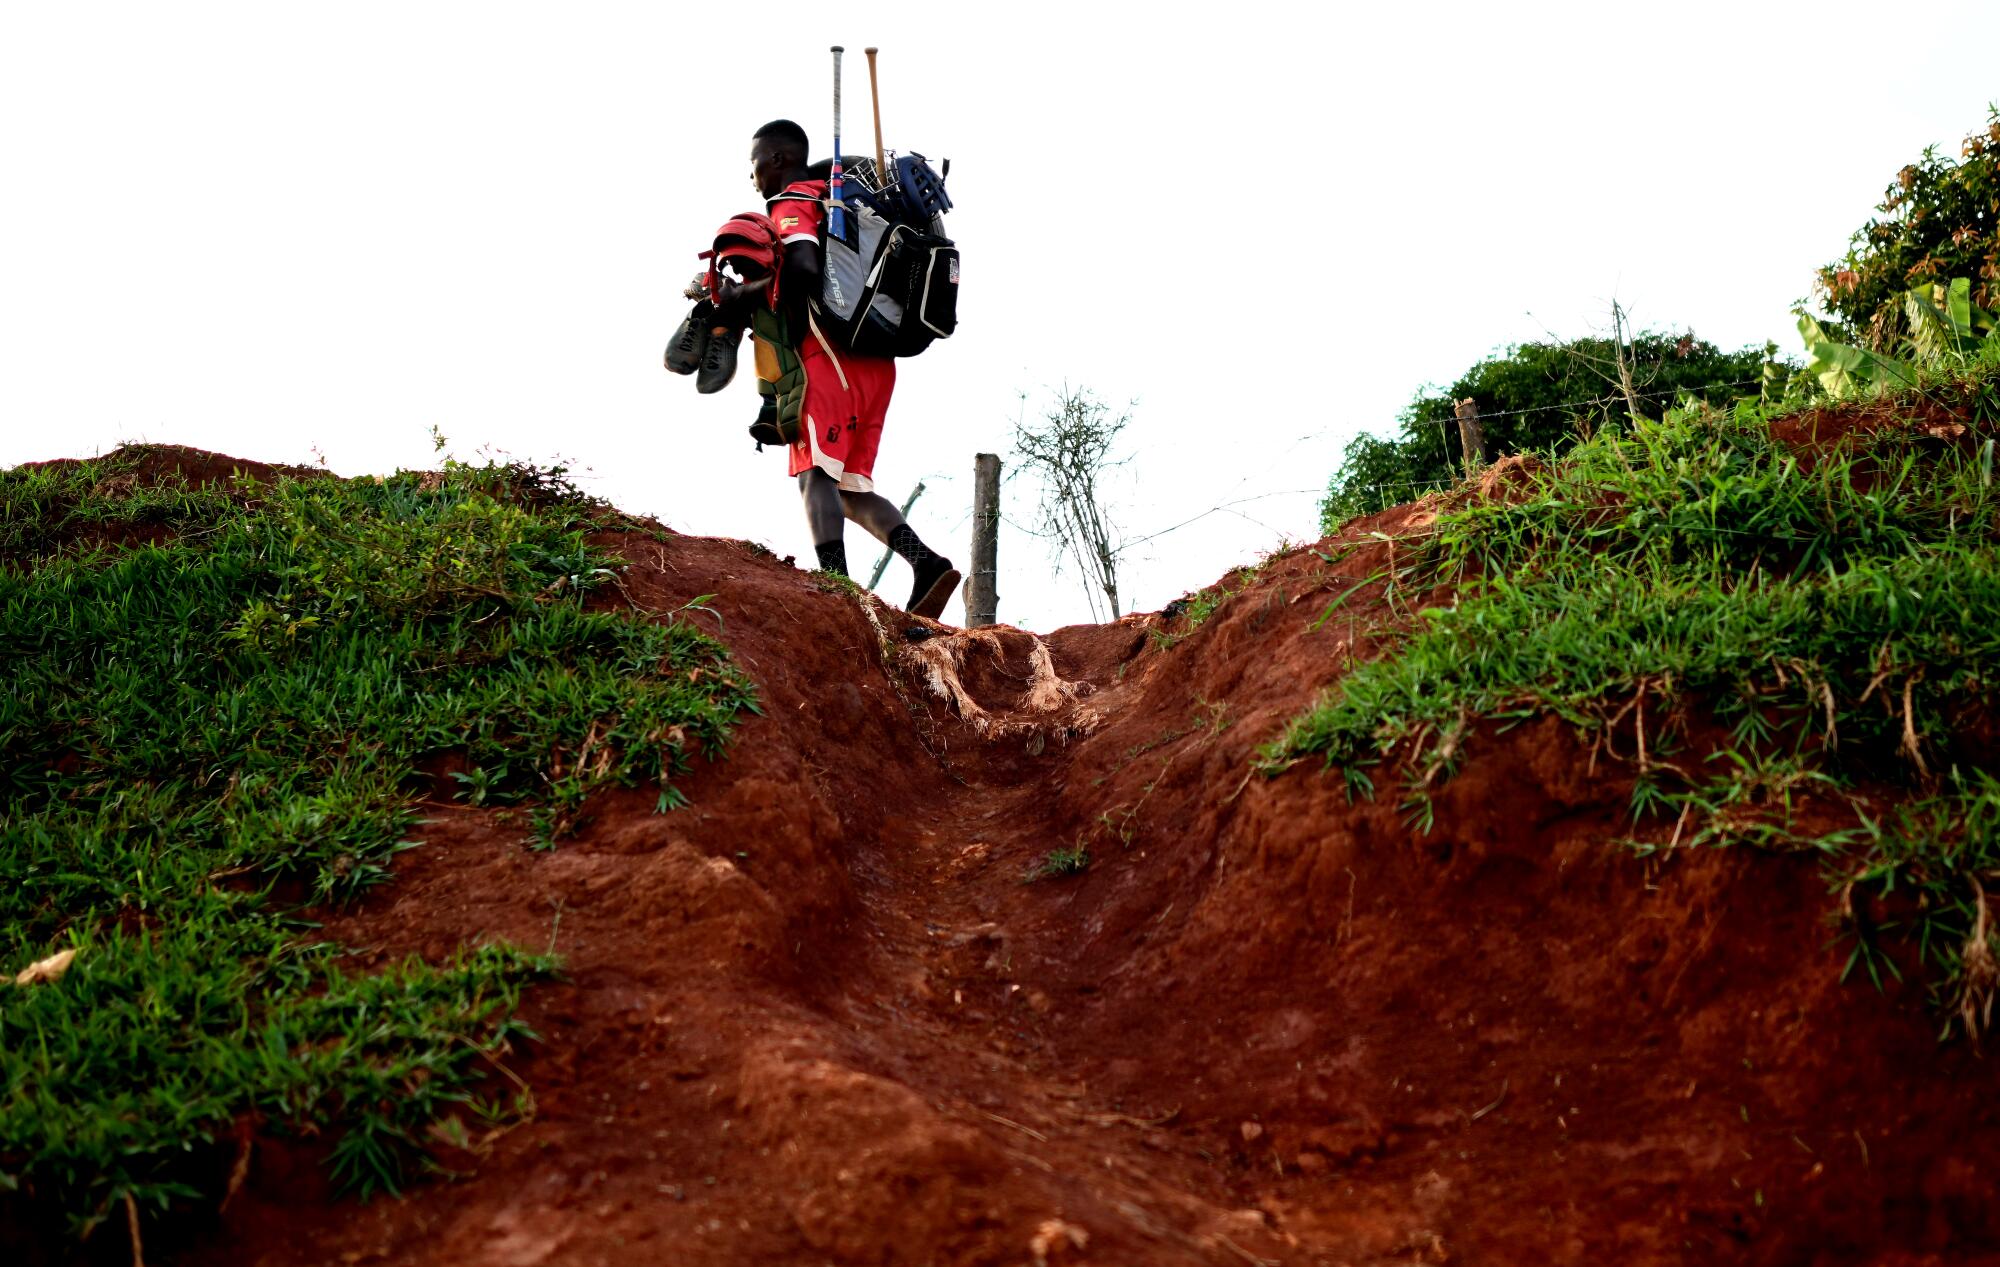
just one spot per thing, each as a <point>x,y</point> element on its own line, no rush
<point>847,398</point>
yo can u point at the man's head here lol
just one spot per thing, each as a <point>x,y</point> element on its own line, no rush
<point>777,152</point>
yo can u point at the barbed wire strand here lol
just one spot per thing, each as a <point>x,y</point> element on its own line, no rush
<point>1227,507</point>
<point>1608,398</point>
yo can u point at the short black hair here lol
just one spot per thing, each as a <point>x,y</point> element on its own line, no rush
<point>786,133</point>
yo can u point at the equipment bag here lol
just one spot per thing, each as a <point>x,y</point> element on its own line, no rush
<point>749,242</point>
<point>891,278</point>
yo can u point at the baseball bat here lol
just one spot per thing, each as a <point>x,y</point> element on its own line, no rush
<point>836,220</point>
<point>875,97</point>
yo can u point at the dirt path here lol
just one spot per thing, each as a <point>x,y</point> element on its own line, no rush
<point>809,1019</point>
<point>971,998</point>
<point>820,1017</point>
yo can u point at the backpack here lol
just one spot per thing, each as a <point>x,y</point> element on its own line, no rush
<point>890,280</point>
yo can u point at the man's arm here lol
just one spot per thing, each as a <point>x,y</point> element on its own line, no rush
<point>801,275</point>
<point>799,281</point>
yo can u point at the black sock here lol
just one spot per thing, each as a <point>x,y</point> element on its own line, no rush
<point>904,542</point>
<point>832,557</point>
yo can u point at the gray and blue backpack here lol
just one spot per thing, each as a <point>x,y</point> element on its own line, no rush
<point>891,276</point>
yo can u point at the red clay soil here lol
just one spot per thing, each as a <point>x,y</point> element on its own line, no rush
<point>177,465</point>
<point>162,463</point>
<point>1852,426</point>
<point>821,1016</point>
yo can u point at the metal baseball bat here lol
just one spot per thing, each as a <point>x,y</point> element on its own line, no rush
<point>836,220</point>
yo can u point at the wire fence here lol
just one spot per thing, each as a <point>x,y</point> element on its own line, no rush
<point>1226,505</point>
<point>1229,504</point>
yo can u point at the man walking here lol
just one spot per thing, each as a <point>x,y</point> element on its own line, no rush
<point>846,397</point>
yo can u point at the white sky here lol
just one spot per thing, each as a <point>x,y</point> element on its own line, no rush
<point>272,229</point>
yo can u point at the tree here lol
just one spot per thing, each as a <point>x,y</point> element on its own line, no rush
<point>1939,220</point>
<point>1543,396</point>
<point>1069,450</point>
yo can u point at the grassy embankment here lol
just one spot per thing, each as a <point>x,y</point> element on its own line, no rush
<point>1751,631</point>
<point>203,737</point>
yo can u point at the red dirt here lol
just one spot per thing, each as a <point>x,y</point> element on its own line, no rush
<point>818,1017</point>
<point>1851,426</point>
<point>153,464</point>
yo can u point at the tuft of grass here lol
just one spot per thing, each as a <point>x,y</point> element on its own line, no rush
<point>1193,610</point>
<point>835,582</point>
<point>1747,628</point>
<point>204,730</point>
<point>1063,860</point>
<point>51,511</point>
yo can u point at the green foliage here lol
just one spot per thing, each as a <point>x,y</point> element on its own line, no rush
<point>1946,332</point>
<point>1836,619</point>
<point>1192,610</point>
<point>1939,221</point>
<point>1063,860</point>
<point>46,510</point>
<point>1537,397</point>
<point>195,728</point>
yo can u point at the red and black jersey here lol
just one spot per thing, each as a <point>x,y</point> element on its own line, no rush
<point>798,210</point>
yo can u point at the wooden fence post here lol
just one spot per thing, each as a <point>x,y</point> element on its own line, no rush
<point>1471,437</point>
<point>982,593</point>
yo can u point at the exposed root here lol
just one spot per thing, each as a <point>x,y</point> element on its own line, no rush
<point>1909,746</point>
<point>941,660</point>
<point>890,652</point>
<point>1054,1237</point>
<point>1447,749</point>
<point>132,1225</point>
<point>1047,691</point>
<point>239,1172</point>
<point>1883,667</point>
<point>1980,972</point>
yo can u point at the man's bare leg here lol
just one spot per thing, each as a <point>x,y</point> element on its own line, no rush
<point>827,504</point>
<point>874,512</point>
<point>824,519</point>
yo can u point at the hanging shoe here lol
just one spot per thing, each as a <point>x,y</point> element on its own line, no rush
<point>690,341</point>
<point>937,579</point>
<point>718,361</point>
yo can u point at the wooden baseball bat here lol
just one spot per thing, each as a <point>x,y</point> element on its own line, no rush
<point>875,97</point>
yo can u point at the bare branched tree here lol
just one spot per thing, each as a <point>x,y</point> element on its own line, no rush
<point>1620,369</point>
<point>1069,449</point>
<point>1621,346</point>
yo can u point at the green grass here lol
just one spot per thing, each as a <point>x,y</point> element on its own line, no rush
<point>199,735</point>
<point>1746,631</point>
<point>1063,860</point>
<point>1197,606</point>
<point>42,511</point>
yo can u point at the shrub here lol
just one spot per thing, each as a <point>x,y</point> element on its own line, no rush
<point>1538,396</point>
<point>1939,220</point>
